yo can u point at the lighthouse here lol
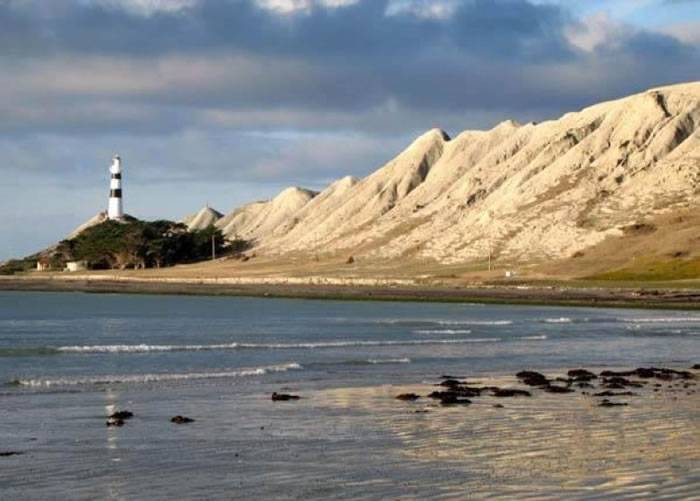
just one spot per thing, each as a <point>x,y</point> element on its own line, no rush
<point>115,210</point>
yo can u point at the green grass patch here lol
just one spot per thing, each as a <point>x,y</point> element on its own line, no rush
<point>654,271</point>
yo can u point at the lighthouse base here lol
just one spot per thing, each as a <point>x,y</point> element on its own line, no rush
<point>115,212</point>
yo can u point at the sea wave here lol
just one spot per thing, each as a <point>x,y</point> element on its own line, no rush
<point>443,331</point>
<point>650,331</point>
<point>152,378</point>
<point>560,320</point>
<point>475,322</point>
<point>378,361</point>
<point>660,320</point>
<point>437,322</point>
<point>147,348</point>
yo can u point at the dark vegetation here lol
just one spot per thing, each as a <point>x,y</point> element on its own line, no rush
<point>17,266</point>
<point>133,244</point>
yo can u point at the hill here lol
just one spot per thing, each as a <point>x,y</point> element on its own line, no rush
<point>127,244</point>
<point>525,194</point>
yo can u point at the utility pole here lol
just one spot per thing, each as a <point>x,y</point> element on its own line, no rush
<point>489,253</point>
<point>488,238</point>
<point>213,246</point>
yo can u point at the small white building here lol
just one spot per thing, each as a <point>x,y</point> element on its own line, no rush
<point>43,264</point>
<point>73,266</point>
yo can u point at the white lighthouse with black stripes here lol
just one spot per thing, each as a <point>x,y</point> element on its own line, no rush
<point>115,210</point>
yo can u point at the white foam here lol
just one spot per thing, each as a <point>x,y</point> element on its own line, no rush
<point>389,361</point>
<point>533,338</point>
<point>443,331</point>
<point>475,322</point>
<point>660,320</point>
<point>560,320</point>
<point>429,321</point>
<point>151,378</point>
<point>147,348</point>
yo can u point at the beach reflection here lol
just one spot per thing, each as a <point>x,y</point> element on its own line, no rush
<point>114,487</point>
<point>546,444</point>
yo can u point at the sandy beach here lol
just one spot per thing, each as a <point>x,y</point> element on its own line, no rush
<point>353,289</point>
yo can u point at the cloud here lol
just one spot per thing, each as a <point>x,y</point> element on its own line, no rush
<point>595,31</point>
<point>147,66</point>
<point>686,32</point>
<point>144,7</point>
<point>260,93</point>
<point>426,9</point>
<point>302,6</point>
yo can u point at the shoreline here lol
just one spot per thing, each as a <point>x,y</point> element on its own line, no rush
<point>642,442</point>
<point>349,290</point>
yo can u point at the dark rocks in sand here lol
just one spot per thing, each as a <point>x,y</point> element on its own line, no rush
<point>552,388</point>
<point>581,375</point>
<point>123,415</point>
<point>532,378</point>
<point>114,422</point>
<point>498,406</point>
<point>615,386</point>
<point>283,397</point>
<point>608,403</point>
<point>181,420</point>
<point>615,394</point>
<point>442,395</point>
<point>408,397</point>
<point>619,382</point>
<point>452,399</point>
<point>509,392</point>
<point>469,391</point>
<point>450,383</point>
<point>651,372</point>
<point>438,394</point>
<point>459,391</point>
<point>7,454</point>
<point>616,373</point>
<point>118,418</point>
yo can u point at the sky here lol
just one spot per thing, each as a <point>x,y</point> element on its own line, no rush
<point>223,102</point>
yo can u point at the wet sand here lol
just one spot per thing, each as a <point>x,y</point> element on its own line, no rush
<point>547,446</point>
<point>358,443</point>
<point>349,290</point>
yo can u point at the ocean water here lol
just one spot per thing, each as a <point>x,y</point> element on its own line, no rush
<point>68,360</point>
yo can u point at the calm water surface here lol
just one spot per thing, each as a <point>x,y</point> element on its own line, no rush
<point>68,360</point>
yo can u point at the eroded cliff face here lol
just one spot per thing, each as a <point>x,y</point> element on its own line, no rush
<point>530,192</point>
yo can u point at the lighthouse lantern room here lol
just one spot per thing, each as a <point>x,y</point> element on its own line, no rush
<point>115,210</point>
